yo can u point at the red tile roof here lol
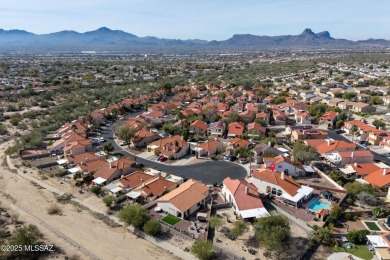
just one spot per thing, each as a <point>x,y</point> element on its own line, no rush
<point>245,194</point>
<point>155,187</point>
<point>257,127</point>
<point>134,179</point>
<point>365,168</point>
<point>236,128</point>
<point>329,115</point>
<point>330,145</point>
<point>380,177</point>
<point>199,124</point>
<point>187,195</point>
<point>287,184</point>
<point>358,153</point>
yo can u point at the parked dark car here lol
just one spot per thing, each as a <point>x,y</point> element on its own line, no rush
<point>139,165</point>
<point>232,158</point>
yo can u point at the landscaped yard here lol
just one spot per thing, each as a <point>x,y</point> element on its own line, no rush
<point>372,226</point>
<point>171,220</point>
<point>359,251</point>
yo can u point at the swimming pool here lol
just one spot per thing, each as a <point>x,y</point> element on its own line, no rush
<point>315,205</point>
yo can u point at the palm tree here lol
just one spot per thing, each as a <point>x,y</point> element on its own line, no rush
<point>354,129</point>
<point>108,148</point>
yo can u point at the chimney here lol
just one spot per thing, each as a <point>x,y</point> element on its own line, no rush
<point>246,190</point>
<point>356,164</point>
<point>269,143</point>
<point>110,163</point>
<point>384,171</point>
<point>282,175</point>
<point>352,157</point>
<point>328,141</point>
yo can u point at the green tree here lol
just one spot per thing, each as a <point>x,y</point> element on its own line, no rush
<point>152,227</point>
<point>334,214</point>
<point>15,121</point>
<point>338,94</point>
<point>357,236</point>
<point>3,129</point>
<point>203,249</point>
<point>108,200</point>
<point>16,147</point>
<point>96,189</point>
<point>243,152</point>
<point>280,100</point>
<point>273,232</point>
<point>260,121</point>
<point>349,95</point>
<point>33,139</point>
<point>339,124</point>
<point>355,131</point>
<point>318,110</point>
<point>375,100</point>
<point>342,116</point>
<point>239,228</point>
<point>27,235</point>
<point>380,212</point>
<point>126,133</point>
<point>354,188</point>
<point>379,124</point>
<point>134,215</point>
<point>304,153</point>
<point>321,235</point>
<point>108,148</point>
<point>216,222</point>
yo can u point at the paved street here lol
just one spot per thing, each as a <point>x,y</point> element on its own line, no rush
<point>208,172</point>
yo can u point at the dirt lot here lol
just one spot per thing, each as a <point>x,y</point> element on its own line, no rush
<point>75,231</point>
<point>241,245</point>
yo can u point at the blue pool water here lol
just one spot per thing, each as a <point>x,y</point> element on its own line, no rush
<point>315,205</point>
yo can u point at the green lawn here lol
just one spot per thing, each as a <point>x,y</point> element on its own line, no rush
<point>372,226</point>
<point>359,251</point>
<point>171,220</point>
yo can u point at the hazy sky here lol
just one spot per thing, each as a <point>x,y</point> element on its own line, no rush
<point>202,19</point>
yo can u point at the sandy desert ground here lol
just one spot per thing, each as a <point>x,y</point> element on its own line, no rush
<point>76,232</point>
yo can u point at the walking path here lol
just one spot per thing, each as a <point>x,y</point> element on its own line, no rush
<point>162,244</point>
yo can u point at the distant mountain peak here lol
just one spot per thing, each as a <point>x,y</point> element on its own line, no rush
<point>104,29</point>
<point>105,38</point>
<point>324,34</point>
<point>307,31</point>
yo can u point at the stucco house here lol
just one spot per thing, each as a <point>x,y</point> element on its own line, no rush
<point>244,198</point>
<point>185,200</point>
<point>216,129</point>
<point>280,185</point>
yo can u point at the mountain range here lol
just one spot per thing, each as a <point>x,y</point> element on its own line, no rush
<point>107,39</point>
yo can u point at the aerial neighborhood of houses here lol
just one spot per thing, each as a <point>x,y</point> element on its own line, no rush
<point>316,152</point>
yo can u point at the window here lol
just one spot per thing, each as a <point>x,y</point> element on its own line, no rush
<point>279,192</point>
<point>273,191</point>
<point>279,166</point>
